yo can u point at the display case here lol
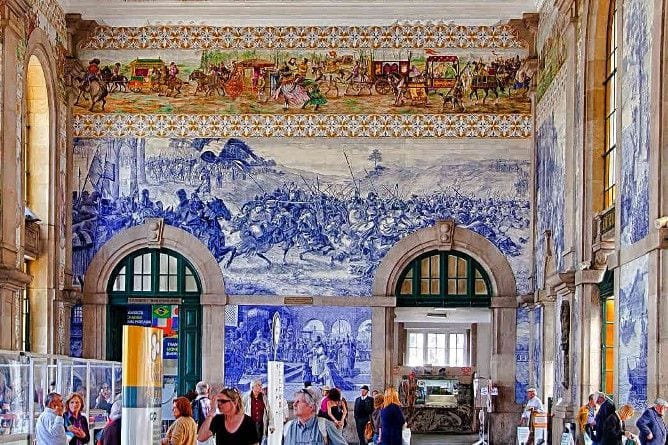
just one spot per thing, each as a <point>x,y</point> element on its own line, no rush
<point>438,392</point>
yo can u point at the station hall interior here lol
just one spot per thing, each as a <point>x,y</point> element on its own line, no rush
<point>462,200</point>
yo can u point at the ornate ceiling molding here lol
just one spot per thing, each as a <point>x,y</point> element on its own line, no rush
<point>300,125</point>
<point>414,35</point>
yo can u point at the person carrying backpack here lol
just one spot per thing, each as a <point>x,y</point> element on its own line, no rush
<point>201,406</point>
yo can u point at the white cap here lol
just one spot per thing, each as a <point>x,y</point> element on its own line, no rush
<point>660,402</point>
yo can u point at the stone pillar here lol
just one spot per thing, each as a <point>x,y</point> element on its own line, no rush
<point>12,285</point>
<point>506,413</point>
<point>213,338</point>
<point>379,348</point>
<point>95,326</point>
<point>548,301</point>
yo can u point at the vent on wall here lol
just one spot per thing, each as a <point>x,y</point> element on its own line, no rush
<point>437,314</point>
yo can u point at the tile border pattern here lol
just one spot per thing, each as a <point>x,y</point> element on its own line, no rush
<point>303,125</point>
<point>55,18</point>
<point>422,35</point>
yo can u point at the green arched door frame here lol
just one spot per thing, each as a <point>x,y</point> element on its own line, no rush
<point>174,281</point>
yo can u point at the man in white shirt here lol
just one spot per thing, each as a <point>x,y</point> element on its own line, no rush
<point>50,429</point>
<point>533,404</point>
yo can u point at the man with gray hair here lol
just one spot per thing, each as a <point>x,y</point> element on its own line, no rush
<point>306,428</point>
<point>651,426</point>
<point>50,429</point>
<point>256,406</point>
<point>605,408</point>
<point>201,405</point>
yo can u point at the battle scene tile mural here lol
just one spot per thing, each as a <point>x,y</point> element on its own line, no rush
<point>636,106</point>
<point>322,345</point>
<point>287,219</point>
<point>632,355</point>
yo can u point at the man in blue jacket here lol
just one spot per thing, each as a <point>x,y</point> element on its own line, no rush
<point>651,426</point>
<point>605,408</point>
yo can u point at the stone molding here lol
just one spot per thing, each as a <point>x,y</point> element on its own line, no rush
<point>143,236</point>
<point>13,278</point>
<point>513,126</point>
<point>464,240</point>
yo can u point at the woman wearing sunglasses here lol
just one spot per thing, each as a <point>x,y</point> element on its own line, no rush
<point>231,426</point>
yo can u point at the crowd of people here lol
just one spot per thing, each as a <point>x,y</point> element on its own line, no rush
<point>601,423</point>
<point>228,416</point>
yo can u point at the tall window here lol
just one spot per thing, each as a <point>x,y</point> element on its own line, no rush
<point>436,348</point>
<point>441,279</point>
<point>606,289</point>
<point>609,168</point>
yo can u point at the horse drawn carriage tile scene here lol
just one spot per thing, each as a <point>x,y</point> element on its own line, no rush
<point>279,81</point>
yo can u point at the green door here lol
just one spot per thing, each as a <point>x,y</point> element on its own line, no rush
<point>157,280</point>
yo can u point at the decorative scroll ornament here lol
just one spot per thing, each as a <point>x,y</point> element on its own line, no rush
<point>446,233</point>
<point>155,228</point>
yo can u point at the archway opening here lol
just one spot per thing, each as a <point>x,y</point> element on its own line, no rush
<point>159,288</point>
<point>36,196</point>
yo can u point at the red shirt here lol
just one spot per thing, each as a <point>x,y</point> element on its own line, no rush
<point>257,408</point>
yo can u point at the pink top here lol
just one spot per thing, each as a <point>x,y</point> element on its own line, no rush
<point>323,404</point>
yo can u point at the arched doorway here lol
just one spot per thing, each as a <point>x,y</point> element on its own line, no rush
<point>159,288</point>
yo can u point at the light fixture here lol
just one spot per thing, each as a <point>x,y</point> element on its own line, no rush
<point>444,309</point>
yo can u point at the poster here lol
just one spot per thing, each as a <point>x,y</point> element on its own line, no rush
<point>142,385</point>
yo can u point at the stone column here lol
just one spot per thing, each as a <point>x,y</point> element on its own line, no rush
<point>95,326</point>
<point>213,338</point>
<point>379,348</point>
<point>506,413</point>
<point>12,278</point>
<point>547,299</point>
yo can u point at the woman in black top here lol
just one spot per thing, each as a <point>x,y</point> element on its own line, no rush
<point>232,426</point>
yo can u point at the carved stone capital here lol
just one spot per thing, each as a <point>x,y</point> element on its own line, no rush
<point>446,233</point>
<point>600,252</point>
<point>78,30</point>
<point>13,278</point>
<point>560,280</point>
<point>546,297</point>
<point>526,29</point>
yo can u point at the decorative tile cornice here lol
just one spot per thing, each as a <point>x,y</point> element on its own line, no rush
<point>554,92</point>
<point>55,18</point>
<point>295,125</point>
<point>426,35</point>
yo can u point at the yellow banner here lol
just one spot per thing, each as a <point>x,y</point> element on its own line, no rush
<point>142,357</point>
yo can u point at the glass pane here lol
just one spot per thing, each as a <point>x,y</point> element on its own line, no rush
<point>609,359</point>
<point>435,287</point>
<point>435,266</point>
<point>163,283</point>
<point>461,268</point>
<point>452,287</point>
<point>480,287</point>
<point>172,283</point>
<point>431,340</point>
<point>462,287</point>
<point>609,335</point>
<point>137,266</point>
<point>163,264</point>
<point>191,284</point>
<point>412,341</point>
<point>119,283</point>
<point>136,284</point>
<point>172,265</point>
<point>424,286</point>
<point>424,267</point>
<point>146,282</point>
<point>147,263</point>
<point>452,266</point>
<point>610,310</point>
<point>477,274</point>
<point>409,274</point>
<point>406,286</point>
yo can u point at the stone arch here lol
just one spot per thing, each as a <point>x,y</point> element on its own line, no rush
<point>445,235</point>
<point>155,234</point>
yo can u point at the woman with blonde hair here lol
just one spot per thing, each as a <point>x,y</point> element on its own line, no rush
<point>231,426</point>
<point>614,428</point>
<point>391,419</point>
<point>184,430</point>
<point>76,424</point>
<point>378,401</point>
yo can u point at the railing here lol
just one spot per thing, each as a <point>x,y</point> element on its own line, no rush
<point>607,226</point>
<point>32,239</point>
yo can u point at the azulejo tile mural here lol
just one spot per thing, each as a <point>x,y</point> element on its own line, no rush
<point>354,126</point>
<point>284,219</point>
<point>636,106</point>
<point>522,353</point>
<point>436,35</point>
<point>633,294</point>
<point>323,345</point>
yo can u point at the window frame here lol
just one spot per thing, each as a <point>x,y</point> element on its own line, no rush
<point>424,334</point>
<point>610,110</point>
<point>444,298</point>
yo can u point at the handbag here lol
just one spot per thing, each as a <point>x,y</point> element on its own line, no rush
<point>405,435</point>
<point>368,431</point>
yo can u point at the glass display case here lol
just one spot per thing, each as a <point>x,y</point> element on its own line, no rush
<point>438,392</point>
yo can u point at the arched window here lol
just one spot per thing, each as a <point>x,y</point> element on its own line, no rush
<point>444,279</point>
<point>154,272</point>
<point>610,84</point>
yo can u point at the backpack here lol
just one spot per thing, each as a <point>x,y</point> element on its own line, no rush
<point>198,414</point>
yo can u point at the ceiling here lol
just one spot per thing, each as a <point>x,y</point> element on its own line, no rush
<point>297,12</point>
<point>454,316</point>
